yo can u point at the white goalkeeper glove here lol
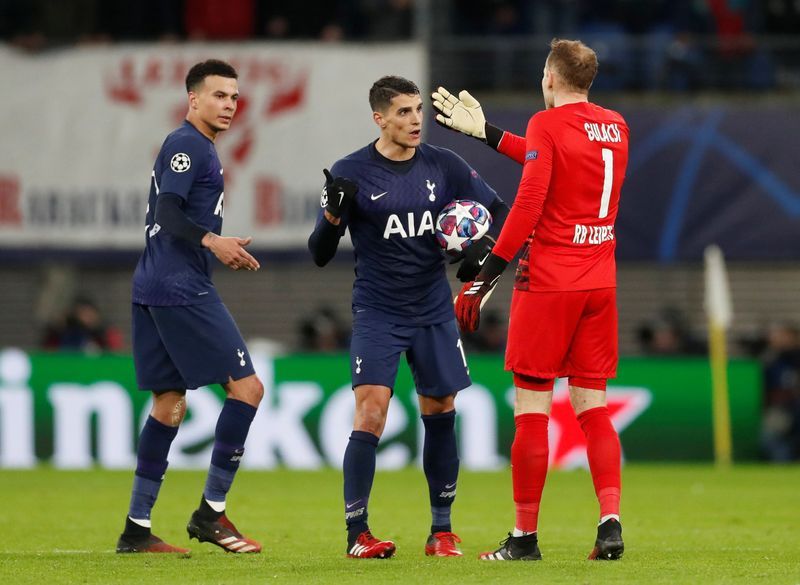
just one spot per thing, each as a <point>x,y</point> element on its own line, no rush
<point>462,113</point>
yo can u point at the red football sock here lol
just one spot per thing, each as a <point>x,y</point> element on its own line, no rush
<point>529,454</point>
<point>603,451</point>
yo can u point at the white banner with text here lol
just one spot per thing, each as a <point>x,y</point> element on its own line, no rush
<point>87,123</point>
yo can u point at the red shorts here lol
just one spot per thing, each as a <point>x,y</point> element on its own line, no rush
<point>560,334</point>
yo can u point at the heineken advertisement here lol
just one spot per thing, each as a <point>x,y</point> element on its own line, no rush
<point>76,411</point>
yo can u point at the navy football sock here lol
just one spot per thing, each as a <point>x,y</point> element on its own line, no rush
<point>151,464</point>
<point>359,471</point>
<point>231,432</point>
<point>440,463</point>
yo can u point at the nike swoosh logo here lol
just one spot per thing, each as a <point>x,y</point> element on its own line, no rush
<point>482,260</point>
<point>452,485</point>
<point>348,506</point>
<point>378,196</point>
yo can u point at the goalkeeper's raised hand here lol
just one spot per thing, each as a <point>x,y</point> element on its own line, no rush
<point>462,113</point>
<point>474,294</point>
<point>338,195</point>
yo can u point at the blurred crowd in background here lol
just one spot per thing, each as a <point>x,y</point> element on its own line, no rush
<point>662,44</point>
<point>43,23</point>
<point>667,45</point>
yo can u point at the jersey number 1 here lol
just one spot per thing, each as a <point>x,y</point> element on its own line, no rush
<point>608,180</point>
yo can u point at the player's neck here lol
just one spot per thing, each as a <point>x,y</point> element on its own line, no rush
<point>569,97</point>
<point>394,151</point>
<point>202,127</point>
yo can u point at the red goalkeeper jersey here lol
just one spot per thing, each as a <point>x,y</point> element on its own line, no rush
<point>574,158</point>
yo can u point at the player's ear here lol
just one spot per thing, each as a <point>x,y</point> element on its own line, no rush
<point>549,77</point>
<point>378,119</point>
<point>192,100</point>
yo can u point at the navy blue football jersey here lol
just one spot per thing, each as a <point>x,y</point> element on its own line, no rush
<point>171,270</point>
<point>399,266</point>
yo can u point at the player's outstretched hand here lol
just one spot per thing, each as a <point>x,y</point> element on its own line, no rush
<point>470,301</point>
<point>473,259</point>
<point>230,251</point>
<point>338,195</point>
<point>462,113</point>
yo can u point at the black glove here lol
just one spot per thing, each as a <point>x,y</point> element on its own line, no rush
<point>474,294</point>
<point>473,258</point>
<point>338,194</point>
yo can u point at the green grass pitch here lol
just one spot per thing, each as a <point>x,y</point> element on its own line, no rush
<point>682,524</point>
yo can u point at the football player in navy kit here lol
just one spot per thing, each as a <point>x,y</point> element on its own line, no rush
<point>183,336</point>
<point>389,194</point>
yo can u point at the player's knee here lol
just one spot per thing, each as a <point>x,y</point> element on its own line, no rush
<point>249,390</point>
<point>586,396</point>
<point>531,402</point>
<point>253,392</point>
<point>370,417</point>
<point>178,411</point>
<point>372,426</point>
<point>169,408</point>
<point>372,405</point>
<point>429,405</point>
<point>258,390</point>
<point>369,424</point>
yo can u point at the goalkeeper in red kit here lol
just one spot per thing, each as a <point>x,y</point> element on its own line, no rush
<point>563,320</point>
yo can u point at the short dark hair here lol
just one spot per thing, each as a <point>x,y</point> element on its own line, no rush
<point>203,69</point>
<point>387,87</point>
<point>575,62</point>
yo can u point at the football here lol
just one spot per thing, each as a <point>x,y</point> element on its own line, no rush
<point>460,223</point>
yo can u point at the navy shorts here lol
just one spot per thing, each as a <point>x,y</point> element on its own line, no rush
<point>434,353</point>
<point>187,346</point>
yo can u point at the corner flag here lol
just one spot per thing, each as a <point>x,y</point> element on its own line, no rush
<point>720,313</point>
